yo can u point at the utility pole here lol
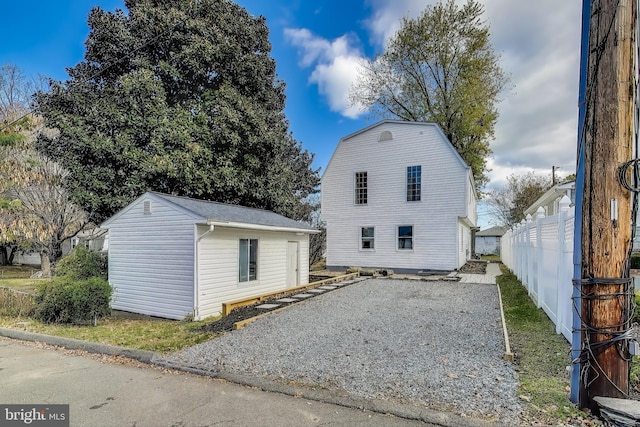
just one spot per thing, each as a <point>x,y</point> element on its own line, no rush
<point>606,212</point>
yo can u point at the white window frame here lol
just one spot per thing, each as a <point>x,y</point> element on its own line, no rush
<point>410,238</point>
<point>363,238</point>
<point>414,190</point>
<point>361,192</point>
<point>248,277</point>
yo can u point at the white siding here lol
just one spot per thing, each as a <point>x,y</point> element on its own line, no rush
<point>151,261</point>
<point>435,219</point>
<point>218,267</point>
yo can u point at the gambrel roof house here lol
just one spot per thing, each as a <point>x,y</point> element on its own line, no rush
<point>397,195</point>
<point>174,256</point>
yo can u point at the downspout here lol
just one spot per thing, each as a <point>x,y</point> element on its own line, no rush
<point>196,262</point>
<point>576,338</point>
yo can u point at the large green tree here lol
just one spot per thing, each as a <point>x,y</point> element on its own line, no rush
<point>439,67</point>
<point>178,96</point>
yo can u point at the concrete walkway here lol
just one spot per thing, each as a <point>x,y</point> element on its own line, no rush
<point>493,270</point>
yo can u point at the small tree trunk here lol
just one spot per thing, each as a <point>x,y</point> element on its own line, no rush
<point>4,259</point>
<point>45,264</point>
<point>12,255</point>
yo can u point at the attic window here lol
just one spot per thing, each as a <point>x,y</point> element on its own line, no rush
<point>147,207</point>
<point>385,136</point>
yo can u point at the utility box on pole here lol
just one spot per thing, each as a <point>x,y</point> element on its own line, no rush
<point>605,287</point>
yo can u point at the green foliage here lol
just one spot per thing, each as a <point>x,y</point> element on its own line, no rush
<point>353,270</point>
<point>440,67</point>
<point>65,300</point>
<point>635,260</point>
<point>179,97</point>
<point>82,263</point>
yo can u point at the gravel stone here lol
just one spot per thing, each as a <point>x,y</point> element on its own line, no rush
<point>437,345</point>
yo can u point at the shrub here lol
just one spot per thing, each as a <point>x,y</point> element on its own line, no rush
<point>352,270</point>
<point>82,263</point>
<point>67,300</point>
<point>635,260</point>
<point>367,272</point>
<point>16,304</point>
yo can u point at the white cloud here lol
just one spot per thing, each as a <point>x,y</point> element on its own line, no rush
<point>334,82</point>
<point>335,65</point>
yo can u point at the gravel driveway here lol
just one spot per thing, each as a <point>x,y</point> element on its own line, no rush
<point>434,345</point>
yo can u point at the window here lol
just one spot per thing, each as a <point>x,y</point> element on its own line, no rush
<point>367,235</point>
<point>414,183</point>
<point>361,188</point>
<point>248,260</point>
<point>405,237</point>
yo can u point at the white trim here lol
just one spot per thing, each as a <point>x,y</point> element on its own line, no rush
<point>247,226</point>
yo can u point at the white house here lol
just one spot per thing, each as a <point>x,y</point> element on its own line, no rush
<point>550,200</point>
<point>488,241</point>
<point>173,256</point>
<point>398,195</point>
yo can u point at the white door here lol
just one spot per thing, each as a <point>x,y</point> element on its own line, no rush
<point>293,264</point>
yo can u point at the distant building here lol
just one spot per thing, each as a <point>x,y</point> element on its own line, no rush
<point>488,241</point>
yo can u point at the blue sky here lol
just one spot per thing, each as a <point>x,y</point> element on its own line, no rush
<point>317,45</point>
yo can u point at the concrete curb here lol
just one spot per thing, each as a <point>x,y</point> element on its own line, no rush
<point>74,344</point>
<point>400,410</point>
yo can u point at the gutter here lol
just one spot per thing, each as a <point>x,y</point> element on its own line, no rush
<point>196,264</point>
<point>242,225</point>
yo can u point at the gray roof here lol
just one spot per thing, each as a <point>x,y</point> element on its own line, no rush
<point>493,231</point>
<point>215,211</point>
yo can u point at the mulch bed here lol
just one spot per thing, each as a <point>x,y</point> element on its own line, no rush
<point>239,314</point>
<point>474,267</point>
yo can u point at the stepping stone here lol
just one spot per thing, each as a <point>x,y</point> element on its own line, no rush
<point>342,283</point>
<point>287,300</point>
<point>302,296</point>
<point>268,306</point>
<point>326,287</point>
<point>316,291</point>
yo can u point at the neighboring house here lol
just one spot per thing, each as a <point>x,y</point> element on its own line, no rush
<point>173,256</point>
<point>91,238</point>
<point>550,200</point>
<point>488,241</point>
<point>397,195</point>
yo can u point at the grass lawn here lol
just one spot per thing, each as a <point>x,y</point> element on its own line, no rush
<point>153,334</point>
<point>138,332</point>
<point>542,356</point>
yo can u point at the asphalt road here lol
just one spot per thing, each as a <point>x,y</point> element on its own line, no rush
<point>101,393</point>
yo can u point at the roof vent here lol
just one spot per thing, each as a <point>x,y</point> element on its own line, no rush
<point>385,136</point>
<point>147,207</point>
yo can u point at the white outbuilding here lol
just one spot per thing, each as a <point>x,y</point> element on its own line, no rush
<point>173,256</point>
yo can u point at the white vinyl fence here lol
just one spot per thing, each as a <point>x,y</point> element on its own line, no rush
<point>540,253</point>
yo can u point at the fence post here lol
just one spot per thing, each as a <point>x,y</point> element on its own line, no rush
<point>562,308</point>
<point>522,271</point>
<point>539,256</point>
<point>530,252</point>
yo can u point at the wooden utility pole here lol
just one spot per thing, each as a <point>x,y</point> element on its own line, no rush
<point>606,217</point>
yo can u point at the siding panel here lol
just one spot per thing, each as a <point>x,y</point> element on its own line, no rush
<point>151,261</point>
<point>218,271</point>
